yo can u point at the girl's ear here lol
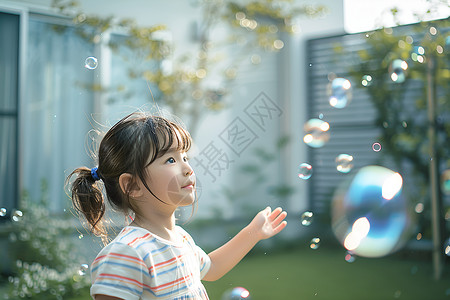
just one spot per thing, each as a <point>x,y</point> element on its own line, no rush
<point>129,185</point>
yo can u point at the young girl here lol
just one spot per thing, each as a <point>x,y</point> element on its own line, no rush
<point>143,165</point>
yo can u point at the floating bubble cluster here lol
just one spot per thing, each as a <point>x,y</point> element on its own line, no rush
<point>307,218</point>
<point>370,216</point>
<point>305,171</point>
<point>317,133</point>
<point>91,63</point>
<point>236,293</point>
<point>339,91</point>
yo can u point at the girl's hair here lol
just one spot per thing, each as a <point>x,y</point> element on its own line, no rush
<point>129,146</point>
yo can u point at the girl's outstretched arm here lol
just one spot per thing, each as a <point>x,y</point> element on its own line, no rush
<point>266,224</point>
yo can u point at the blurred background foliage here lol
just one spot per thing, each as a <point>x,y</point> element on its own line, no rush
<point>44,257</point>
<point>183,83</point>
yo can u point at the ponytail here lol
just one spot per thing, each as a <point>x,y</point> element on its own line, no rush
<point>87,199</point>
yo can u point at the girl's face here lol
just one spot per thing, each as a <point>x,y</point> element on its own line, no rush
<point>171,178</point>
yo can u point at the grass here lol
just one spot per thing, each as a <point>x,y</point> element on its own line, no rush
<point>324,274</point>
<point>303,273</point>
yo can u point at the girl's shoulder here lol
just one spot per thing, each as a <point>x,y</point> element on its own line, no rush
<point>132,236</point>
<point>185,235</point>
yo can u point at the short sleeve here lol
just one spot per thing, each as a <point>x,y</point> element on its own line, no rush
<point>118,271</point>
<point>204,261</point>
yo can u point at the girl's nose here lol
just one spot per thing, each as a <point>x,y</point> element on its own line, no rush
<point>189,171</point>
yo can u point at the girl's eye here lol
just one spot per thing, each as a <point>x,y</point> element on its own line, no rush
<point>171,160</point>
<point>185,158</point>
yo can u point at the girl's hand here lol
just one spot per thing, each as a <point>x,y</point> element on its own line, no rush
<point>267,223</point>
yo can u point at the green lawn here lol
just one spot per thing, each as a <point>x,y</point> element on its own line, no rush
<point>303,273</point>
<point>324,274</point>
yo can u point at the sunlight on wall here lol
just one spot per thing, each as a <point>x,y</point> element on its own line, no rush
<point>366,15</point>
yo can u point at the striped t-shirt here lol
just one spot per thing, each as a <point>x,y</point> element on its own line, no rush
<point>140,265</point>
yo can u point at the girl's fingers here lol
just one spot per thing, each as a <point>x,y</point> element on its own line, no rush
<point>280,227</point>
<point>275,213</point>
<point>279,218</point>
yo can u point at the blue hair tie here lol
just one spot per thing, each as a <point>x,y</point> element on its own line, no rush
<point>94,174</point>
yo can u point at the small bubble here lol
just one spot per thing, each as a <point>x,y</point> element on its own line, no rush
<point>316,133</point>
<point>255,59</point>
<point>344,163</point>
<point>315,243</point>
<point>419,236</point>
<point>2,212</point>
<point>419,208</point>
<point>307,218</point>
<point>397,70</point>
<point>236,294</point>
<point>305,171</point>
<point>366,80</point>
<point>376,147</point>
<point>17,216</point>
<point>83,269</point>
<point>90,63</point>
<point>80,236</point>
<point>447,247</point>
<point>349,257</point>
<point>310,65</point>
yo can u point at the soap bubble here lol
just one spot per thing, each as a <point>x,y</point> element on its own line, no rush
<point>370,216</point>
<point>17,215</point>
<point>83,269</point>
<point>349,257</point>
<point>397,70</point>
<point>376,147</point>
<point>339,92</point>
<point>445,182</point>
<point>91,63</point>
<point>314,243</point>
<point>366,80</point>
<point>2,212</point>
<point>344,163</point>
<point>305,171</point>
<point>317,133</point>
<point>307,218</point>
<point>418,54</point>
<point>447,247</point>
<point>236,293</point>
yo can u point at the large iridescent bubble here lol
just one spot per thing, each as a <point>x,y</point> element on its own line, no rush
<point>370,215</point>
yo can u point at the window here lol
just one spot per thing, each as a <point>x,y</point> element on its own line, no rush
<point>9,122</point>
